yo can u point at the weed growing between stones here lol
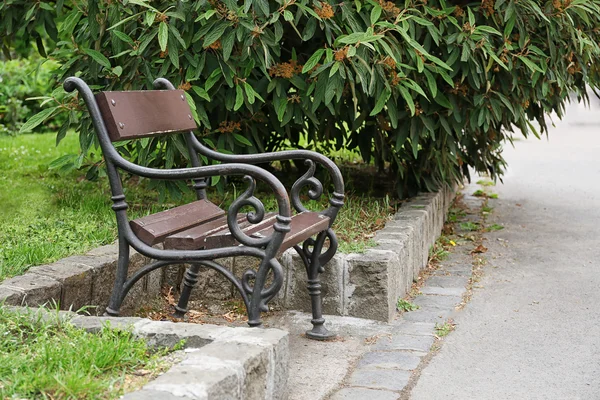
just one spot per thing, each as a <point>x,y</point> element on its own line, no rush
<point>442,330</point>
<point>406,306</point>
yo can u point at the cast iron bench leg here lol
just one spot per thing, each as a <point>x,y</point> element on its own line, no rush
<point>313,270</point>
<point>116,298</point>
<point>190,279</point>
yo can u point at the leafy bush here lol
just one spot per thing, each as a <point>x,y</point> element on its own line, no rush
<point>20,80</point>
<point>423,88</point>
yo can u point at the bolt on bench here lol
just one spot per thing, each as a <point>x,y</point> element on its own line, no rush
<point>201,233</point>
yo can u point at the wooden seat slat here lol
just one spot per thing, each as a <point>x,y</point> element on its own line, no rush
<point>154,228</point>
<point>193,238</point>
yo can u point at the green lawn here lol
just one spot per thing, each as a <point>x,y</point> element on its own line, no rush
<point>51,359</point>
<point>46,216</point>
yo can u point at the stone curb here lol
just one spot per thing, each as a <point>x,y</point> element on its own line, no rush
<point>386,369</point>
<point>219,363</point>
<point>368,285</point>
<point>78,281</point>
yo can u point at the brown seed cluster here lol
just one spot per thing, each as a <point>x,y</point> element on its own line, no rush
<point>216,45</point>
<point>460,88</point>
<point>395,78</point>
<point>285,70</point>
<point>185,86</point>
<point>383,123</point>
<point>294,99</point>
<point>160,17</point>
<point>389,62</point>
<point>459,12</point>
<point>525,104</point>
<point>488,6</point>
<point>389,7</point>
<point>229,127</point>
<point>341,54</point>
<point>561,5</point>
<point>325,10</point>
<point>164,54</point>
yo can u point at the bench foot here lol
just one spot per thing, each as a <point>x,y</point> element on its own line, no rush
<point>319,332</point>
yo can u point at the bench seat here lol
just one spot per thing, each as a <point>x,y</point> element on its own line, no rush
<point>215,233</point>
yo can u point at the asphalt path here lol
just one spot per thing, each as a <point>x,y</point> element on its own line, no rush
<point>532,328</point>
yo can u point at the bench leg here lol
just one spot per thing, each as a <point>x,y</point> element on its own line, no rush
<point>190,279</point>
<point>314,269</point>
<point>116,298</point>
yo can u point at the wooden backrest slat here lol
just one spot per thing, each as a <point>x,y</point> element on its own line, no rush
<point>138,114</point>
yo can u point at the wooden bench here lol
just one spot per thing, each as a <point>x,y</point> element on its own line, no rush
<point>200,233</point>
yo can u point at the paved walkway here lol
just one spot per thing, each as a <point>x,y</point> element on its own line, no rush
<point>532,328</point>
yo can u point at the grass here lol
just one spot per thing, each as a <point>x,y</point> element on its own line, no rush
<point>51,359</point>
<point>406,306</point>
<point>46,215</point>
<point>483,182</point>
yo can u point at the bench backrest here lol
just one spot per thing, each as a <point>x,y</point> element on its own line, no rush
<point>139,114</point>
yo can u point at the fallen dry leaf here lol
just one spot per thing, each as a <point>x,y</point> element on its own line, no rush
<point>479,249</point>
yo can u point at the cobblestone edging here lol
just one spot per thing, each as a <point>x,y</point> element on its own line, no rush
<point>79,281</point>
<point>368,285</point>
<point>392,364</point>
<point>219,362</point>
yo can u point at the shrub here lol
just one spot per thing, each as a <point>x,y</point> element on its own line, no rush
<point>423,88</point>
<point>21,79</point>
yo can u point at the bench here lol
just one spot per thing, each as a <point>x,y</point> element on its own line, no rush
<point>201,233</point>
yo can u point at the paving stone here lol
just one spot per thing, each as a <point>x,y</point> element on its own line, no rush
<point>429,315</point>
<point>426,301</point>
<point>441,291</point>
<point>354,393</point>
<point>38,289</point>
<point>390,360</point>
<point>414,328</point>
<point>152,395</point>
<point>447,281</point>
<point>391,379</point>
<point>405,342</point>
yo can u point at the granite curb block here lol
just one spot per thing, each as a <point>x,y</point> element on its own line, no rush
<point>220,362</point>
<point>368,285</point>
<point>385,370</point>
<point>78,281</point>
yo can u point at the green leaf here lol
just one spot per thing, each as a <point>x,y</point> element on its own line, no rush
<point>375,14</point>
<point>530,64</point>
<point>163,36</point>
<point>215,34</point>
<point>288,16</point>
<point>383,98</point>
<point>313,61</point>
<point>408,98</point>
<point>239,98</point>
<point>242,139</point>
<point>98,57</point>
<point>37,119</point>
<point>123,36</point>
<point>249,92</point>
<point>431,83</point>
<point>201,92</point>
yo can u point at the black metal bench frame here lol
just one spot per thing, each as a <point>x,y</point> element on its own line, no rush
<point>266,248</point>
